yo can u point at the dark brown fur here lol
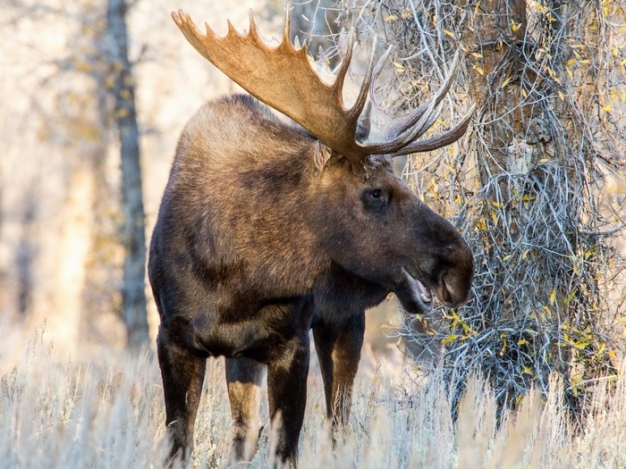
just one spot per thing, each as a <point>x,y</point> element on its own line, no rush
<point>264,234</point>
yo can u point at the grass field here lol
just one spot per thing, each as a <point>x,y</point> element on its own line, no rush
<point>108,413</point>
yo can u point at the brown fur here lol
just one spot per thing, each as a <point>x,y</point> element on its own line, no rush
<point>263,234</point>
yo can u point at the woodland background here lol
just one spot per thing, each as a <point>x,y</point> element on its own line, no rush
<point>536,187</point>
<point>62,245</point>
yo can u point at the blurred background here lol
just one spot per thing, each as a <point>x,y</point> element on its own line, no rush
<point>61,209</point>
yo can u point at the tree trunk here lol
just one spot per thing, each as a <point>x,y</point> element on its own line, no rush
<point>133,230</point>
<point>497,38</point>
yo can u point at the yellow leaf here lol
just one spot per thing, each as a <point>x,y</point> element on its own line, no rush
<point>450,338</point>
<point>391,18</point>
<point>571,62</point>
<point>552,74</point>
<point>479,70</point>
<point>398,66</point>
<point>506,82</point>
<point>83,67</point>
<point>570,297</point>
<point>406,14</point>
<point>476,9</point>
<point>121,113</point>
<point>553,296</point>
<point>449,33</point>
<point>109,83</point>
<point>607,108</point>
<point>521,342</point>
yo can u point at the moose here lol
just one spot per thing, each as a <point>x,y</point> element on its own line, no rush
<point>268,230</point>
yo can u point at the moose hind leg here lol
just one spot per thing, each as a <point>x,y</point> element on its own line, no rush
<point>244,377</point>
<point>338,349</point>
<point>183,375</point>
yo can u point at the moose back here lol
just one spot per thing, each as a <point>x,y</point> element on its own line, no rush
<point>268,230</point>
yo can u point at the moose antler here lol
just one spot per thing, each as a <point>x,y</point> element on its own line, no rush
<point>282,78</point>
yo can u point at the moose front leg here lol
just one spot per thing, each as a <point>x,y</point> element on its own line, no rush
<point>244,377</point>
<point>286,385</point>
<point>338,349</point>
<point>183,375</point>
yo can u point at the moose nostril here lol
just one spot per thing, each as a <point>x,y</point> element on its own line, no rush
<point>454,290</point>
<point>447,289</point>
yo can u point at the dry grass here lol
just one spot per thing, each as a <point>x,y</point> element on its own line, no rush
<point>109,414</point>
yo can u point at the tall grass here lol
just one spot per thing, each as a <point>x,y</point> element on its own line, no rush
<point>109,413</point>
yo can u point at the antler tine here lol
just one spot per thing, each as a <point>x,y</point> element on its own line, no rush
<point>441,140</point>
<point>376,73</point>
<point>254,32</point>
<point>343,70</point>
<point>410,120</point>
<point>416,123</point>
<point>357,108</point>
<point>287,27</point>
<point>426,120</point>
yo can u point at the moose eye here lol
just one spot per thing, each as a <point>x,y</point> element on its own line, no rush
<point>375,200</point>
<point>376,194</point>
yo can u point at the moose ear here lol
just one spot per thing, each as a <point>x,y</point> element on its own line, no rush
<point>321,155</point>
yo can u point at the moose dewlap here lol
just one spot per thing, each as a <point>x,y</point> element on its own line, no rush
<point>268,230</point>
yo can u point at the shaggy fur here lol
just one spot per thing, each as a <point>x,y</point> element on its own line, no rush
<point>264,233</point>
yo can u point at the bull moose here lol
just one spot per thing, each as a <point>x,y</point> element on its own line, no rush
<point>268,230</point>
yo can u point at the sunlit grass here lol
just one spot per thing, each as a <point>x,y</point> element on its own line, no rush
<point>109,413</point>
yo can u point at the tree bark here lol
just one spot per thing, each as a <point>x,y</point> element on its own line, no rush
<point>497,35</point>
<point>133,230</point>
